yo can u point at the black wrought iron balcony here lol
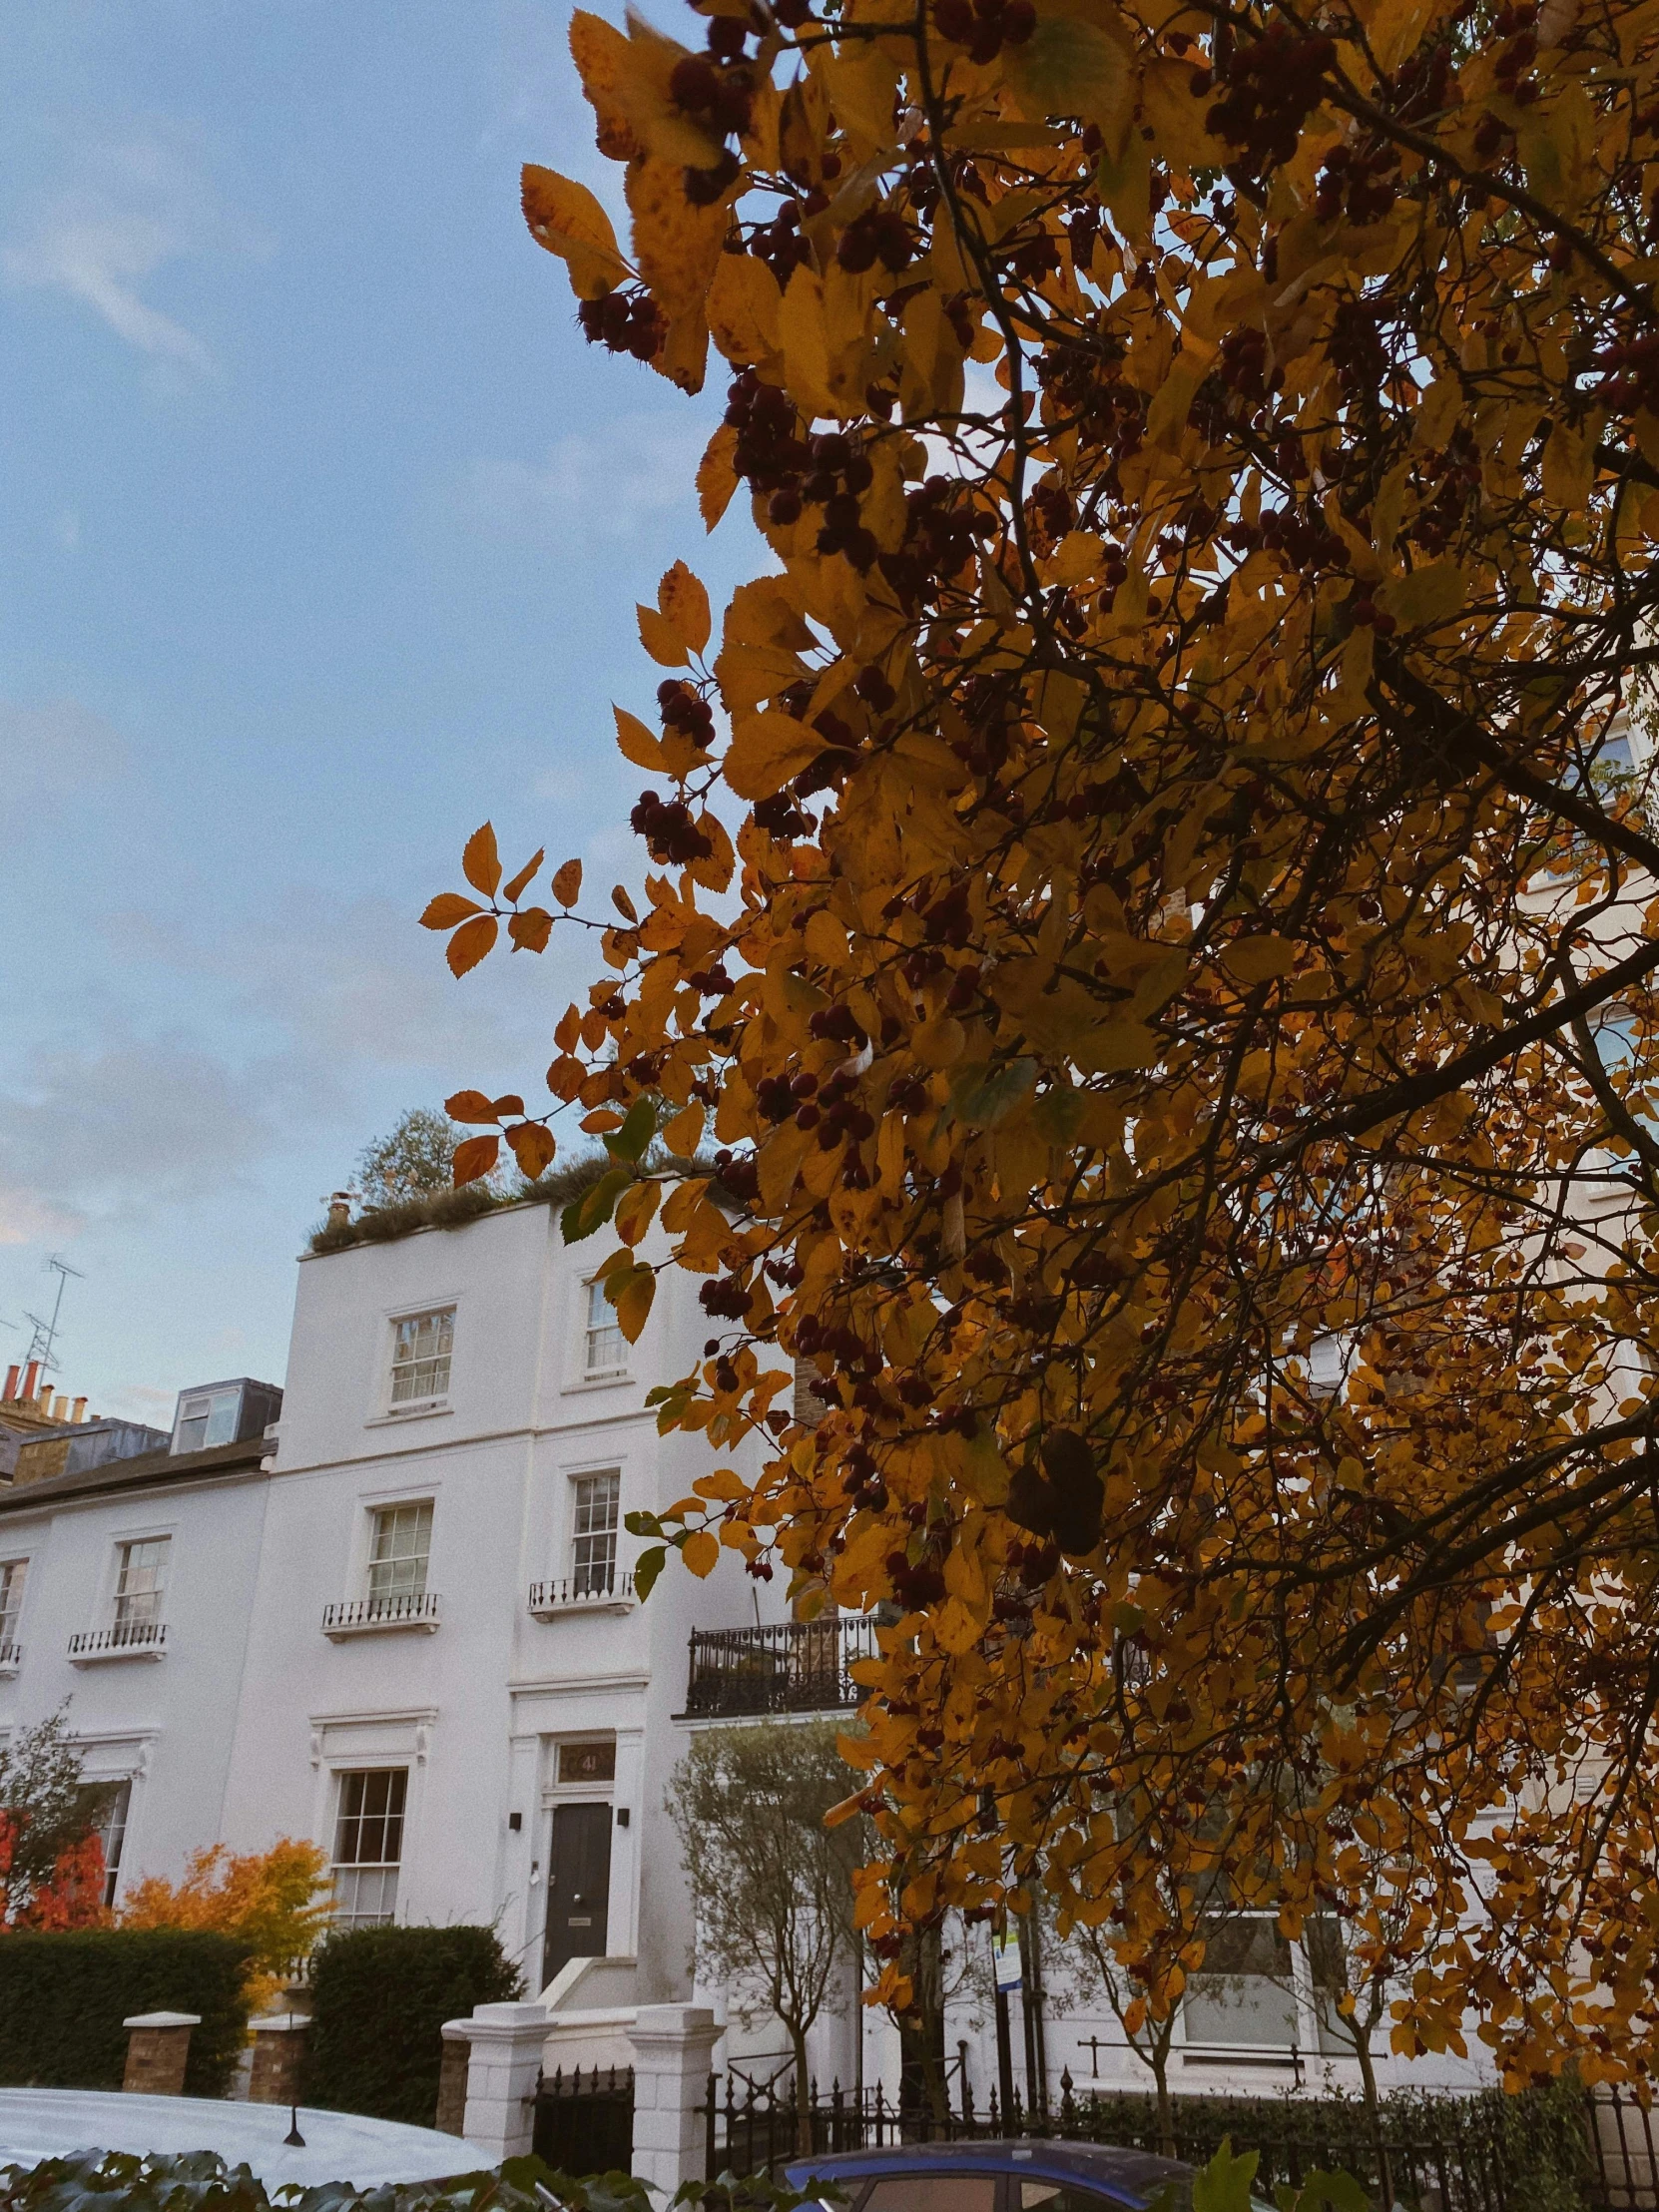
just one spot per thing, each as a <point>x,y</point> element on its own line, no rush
<point>598,1589</point>
<point>791,1667</point>
<point>369,1616</point>
<point>127,1640</point>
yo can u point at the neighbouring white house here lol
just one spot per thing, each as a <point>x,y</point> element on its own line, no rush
<point>398,1616</point>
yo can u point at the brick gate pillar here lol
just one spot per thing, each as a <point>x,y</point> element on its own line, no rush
<point>157,2050</point>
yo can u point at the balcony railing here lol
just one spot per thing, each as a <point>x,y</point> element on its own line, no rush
<point>11,1658</point>
<point>371,1616</point>
<point>131,1640</point>
<point>594,1591</point>
<point>792,1667</point>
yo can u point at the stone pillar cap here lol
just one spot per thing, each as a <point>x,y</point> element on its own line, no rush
<point>278,2021</point>
<point>163,2020</point>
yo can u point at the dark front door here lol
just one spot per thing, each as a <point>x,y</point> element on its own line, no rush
<point>578,1886</point>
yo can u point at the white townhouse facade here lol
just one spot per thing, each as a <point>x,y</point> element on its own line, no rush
<point>399,1620</point>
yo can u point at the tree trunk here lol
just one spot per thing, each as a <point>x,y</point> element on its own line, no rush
<point>1374,2105</point>
<point>1160,2078</point>
<point>803,2091</point>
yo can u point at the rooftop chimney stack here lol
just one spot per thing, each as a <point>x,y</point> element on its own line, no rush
<point>31,1376</point>
<point>339,1209</point>
<point>13,1375</point>
<point>78,1411</point>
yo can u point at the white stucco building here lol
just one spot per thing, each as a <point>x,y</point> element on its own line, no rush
<point>401,1620</point>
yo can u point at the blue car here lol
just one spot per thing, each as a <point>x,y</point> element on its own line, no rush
<point>996,2176</point>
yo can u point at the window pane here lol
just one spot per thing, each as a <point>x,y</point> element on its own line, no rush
<point>933,2193</point>
<point>1061,2197</point>
<point>141,1583</point>
<point>193,1424</point>
<point>368,1844</point>
<point>222,1418</point>
<point>12,1575</point>
<point>593,1563</point>
<point>1244,1994</point>
<point>421,1346</point>
<point>108,1803</point>
<point>401,1549</point>
<point>607,1345</point>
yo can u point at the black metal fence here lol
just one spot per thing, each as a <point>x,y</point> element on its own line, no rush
<point>788,1667</point>
<point>1545,2151</point>
<point>585,2121</point>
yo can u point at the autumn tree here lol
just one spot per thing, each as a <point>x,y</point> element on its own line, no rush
<point>279,1901</point>
<point>1139,904</point>
<point>51,1861</point>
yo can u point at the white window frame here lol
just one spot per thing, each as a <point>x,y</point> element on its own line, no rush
<point>579,1570</point>
<point>13,1601</point>
<point>434,1402</point>
<point>603,1337</point>
<point>383,1512</point>
<point>210,1401</point>
<point>343,1775</point>
<point>124,1545</point>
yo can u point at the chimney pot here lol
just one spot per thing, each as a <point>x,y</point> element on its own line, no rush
<point>31,1376</point>
<point>60,1407</point>
<point>12,1375</point>
<point>78,1411</point>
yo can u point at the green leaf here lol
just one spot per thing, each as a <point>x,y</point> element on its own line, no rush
<point>1341,2191</point>
<point>595,1207</point>
<point>1223,2184</point>
<point>984,1095</point>
<point>630,1141</point>
<point>642,1524</point>
<point>647,1568</point>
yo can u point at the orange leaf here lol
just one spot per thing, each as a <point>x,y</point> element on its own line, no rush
<point>531,929</point>
<point>634,740</point>
<point>509,1103</point>
<point>567,882</point>
<point>569,1029</point>
<point>566,217</point>
<point>475,1158</point>
<point>525,873</point>
<point>480,862</point>
<point>448,909</point>
<point>469,1106</point>
<point>564,1077</point>
<point>623,903</point>
<point>533,1148</point>
<point>470,943</point>
<point>685,604</point>
<point>660,638</point>
<point>717,479</point>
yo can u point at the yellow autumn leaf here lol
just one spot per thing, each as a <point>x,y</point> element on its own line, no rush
<point>684,604</point>
<point>633,1302</point>
<point>701,1552</point>
<point>1568,468</point>
<point>766,751</point>
<point>565,216</point>
<point>1257,959</point>
<point>717,479</point>
<point>743,309</point>
<point>635,741</point>
<point>1429,595</point>
<point>661,638</point>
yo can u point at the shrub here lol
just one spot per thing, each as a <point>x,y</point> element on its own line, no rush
<point>380,1996</point>
<point>63,1999</point>
<point>277,1901</point>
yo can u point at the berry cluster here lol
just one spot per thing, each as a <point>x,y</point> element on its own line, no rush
<point>1441,519</point>
<point>672,836</point>
<point>684,708</point>
<point>717,92</point>
<point>838,473</point>
<point>939,533</point>
<point>770,451</point>
<point>739,1176</point>
<point>917,1585</point>
<point>1271,87</point>
<point>1364,181</point>
<point>781,818</point>
<point>836,1113</point>
<point>878,234</point>
<point>726,1297</point>
<point>1244,362</point>
<point>1365,614</point>
<point>628,322</point>
<point>779,244</point>
<point>1631,380</point>
<point>1355,346</point>
<point>985,27</point>
<point>1307,541</point>
<point>1510,69</point>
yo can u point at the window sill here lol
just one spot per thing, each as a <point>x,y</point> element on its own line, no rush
<point>11,1658</point>
<point>96,1650</point>
<point>413,1413</point>
<point>382,1617</point>
<point>613,1380</point>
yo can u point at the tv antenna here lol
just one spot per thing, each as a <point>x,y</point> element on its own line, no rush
<point>43,1344</point>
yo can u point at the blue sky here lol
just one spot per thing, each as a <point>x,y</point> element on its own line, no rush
<point>319,535</point>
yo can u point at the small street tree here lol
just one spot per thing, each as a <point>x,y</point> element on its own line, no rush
<point>771,1884</point>
<point>51,1861</point>
<point>414,1158</point>
<point>278,1899</point>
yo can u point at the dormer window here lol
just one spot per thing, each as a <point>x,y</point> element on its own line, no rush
<point>208,1419</point>
<point>420,1355</point>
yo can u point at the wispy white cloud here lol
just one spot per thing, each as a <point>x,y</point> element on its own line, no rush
<point>55,747</point>
<point>136,205</point>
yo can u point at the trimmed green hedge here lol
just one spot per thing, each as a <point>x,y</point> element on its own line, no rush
<point>63,1999</point>
<point>380,1996</point>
